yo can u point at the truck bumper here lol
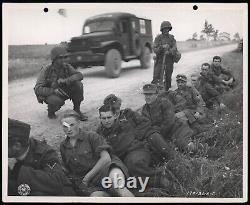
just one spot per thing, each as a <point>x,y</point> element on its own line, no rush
<point>85,57</point>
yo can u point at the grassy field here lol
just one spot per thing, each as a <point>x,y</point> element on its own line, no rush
<point>218,172</point>
<point>26,60</point>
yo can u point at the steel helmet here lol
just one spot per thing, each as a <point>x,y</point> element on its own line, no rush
<point>166,24</point>
<point>57,51</point>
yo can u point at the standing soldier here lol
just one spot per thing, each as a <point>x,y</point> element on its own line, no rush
<point>34,167</point>
<point>58,82</point>
<point>166,54</point>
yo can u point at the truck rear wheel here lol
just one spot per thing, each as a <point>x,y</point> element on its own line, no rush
<point>113,63</point>
<point>145,58</point>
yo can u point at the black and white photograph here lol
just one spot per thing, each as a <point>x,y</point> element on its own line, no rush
<point>125,102</point>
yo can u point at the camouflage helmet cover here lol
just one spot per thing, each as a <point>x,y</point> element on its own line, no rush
<point>112,100</point>
<point>166,24</point>
<point>57,51</point>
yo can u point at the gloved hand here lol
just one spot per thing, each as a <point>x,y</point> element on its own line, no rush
<point>197,115</point>
<point>166,46</point>
<point>222,106</point>
<point>61,81</point>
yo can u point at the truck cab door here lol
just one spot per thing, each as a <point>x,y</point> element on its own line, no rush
<point>124,27</point>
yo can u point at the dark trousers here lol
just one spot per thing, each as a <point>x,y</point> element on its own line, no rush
<point>158,73</point>
<point>160,147</point>
<point>75,93</point>
<point>139,163</point>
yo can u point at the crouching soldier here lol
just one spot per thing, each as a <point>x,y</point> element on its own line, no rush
<point>222,77</point>
<point>161,112</point>
<point>142,125</point>
<point>34,167</point>
<point>204,84</point>
<point>121,135</point>
<point>58,82</point>
<point>194,107</point>
<point>87,160</point>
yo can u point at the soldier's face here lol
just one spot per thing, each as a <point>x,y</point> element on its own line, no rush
<point>194,80</point>
<point>15,150</point>
<point>181,84</point>
<point>107,119</point>
<point>204,70</point>
<point>71,126</point>
<point>165,30</point>
<point>217,62</point>
<point>150,97</point>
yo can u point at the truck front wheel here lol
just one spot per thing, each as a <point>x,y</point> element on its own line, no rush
<point>145,58</point>
<point>113,63</point>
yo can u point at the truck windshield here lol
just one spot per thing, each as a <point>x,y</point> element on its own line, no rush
<point>98,26</point>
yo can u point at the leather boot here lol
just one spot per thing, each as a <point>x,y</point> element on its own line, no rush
<point>82,116</point>
<point>51,112</point>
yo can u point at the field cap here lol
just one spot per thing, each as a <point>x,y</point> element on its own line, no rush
<point>112,100</point>
<point>70,113</point>
<point>18,129</point>
<point>150,89</point>
<point>181,77</point>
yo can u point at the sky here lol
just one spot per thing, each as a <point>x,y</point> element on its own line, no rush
<point>29,24</point>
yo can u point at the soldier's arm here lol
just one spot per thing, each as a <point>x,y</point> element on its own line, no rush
<point>157,47</point>
<point>169,116</point>
<point>142,123</point>
<point>226,72</point>
<point>173,49</point>
<point>49,179</point>
<point>101,149</point>
<point>198,100</point>
<point>41,87</point>
<point>179,103</point>
<point>213,92</point>
<point>74,75</point>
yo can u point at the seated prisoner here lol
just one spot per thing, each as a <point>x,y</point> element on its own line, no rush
<point>193,107</point>
<point>34,167</point>
<point>87,160</point>
<point>58,82</point>
<point>121,135</point>
<point>205,86</point>
<point>143,128</point>
<point>222,77</point>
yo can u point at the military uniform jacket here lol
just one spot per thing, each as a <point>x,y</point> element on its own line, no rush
<point>47,79</point>
<point>160,40</point>
<point>122,137</point>
<point>192,97</point>
<point>207,90</point>
<point>161,114</point>
<point>41,171</point>
<point>141,124</point>
<point>81,158</point>
<point>220,70</point>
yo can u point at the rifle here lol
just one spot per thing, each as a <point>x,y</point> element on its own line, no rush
<point>163,69</point>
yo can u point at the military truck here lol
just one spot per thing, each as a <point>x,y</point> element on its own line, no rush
<point>110,38</point>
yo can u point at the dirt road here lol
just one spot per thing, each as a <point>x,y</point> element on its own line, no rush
<point>22,103</point>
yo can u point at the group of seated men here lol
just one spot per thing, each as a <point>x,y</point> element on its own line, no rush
<point>126,143</point>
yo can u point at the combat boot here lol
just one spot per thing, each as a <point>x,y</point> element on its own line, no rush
<point>52,115</point>
<point>82,116</point>
<point>51,112</point>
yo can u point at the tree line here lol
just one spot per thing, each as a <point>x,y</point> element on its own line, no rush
<point>210,33</point>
